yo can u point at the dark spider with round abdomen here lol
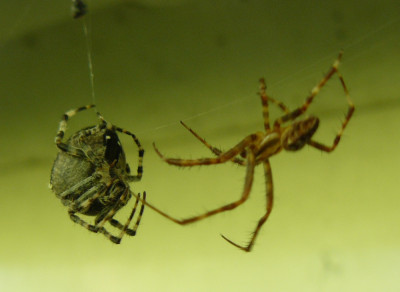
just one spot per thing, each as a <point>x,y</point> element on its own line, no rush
<point>91,177</point>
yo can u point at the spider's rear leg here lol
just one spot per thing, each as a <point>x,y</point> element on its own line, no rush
<point>131,232</point>
<point>98,227</point>
<point>251,163</point>
<point>213,149</point>
<point>223,157</point>
<point>92,228</point>
<point>263,219</point>
<point>108,213</point>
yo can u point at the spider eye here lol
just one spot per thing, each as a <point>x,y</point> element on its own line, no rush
<point>113,146</point>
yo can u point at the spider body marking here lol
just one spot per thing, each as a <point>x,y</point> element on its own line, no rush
<point>91,177</point>
<point>287,133</point>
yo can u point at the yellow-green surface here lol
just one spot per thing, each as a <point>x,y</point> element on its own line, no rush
<point>335,224</point>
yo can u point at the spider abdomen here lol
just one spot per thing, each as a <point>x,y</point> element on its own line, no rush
<point>67,171</point>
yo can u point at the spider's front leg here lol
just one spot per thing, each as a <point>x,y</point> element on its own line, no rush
<point>139,174</point>
<point>63,127</point>
<point>314,92</point>
<point>347,118</point>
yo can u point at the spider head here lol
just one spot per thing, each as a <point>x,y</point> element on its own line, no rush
<point>113,147</point>
<point>299,133</point>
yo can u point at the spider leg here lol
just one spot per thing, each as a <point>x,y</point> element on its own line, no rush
<point>141,153</point>
<point>92,228</point>
<point>110,214</point>
<point>251,163</point>
<point>300,110</point>
<point>118,224</point>
<point>82,185</point>
<point>348,116</point>
<point>270,201</point>
<point>63,127</point>
<point>85,200</point>
<point>264,101</point>
<point>131,232</point>
<point>112,207</point>
<point>280,104</point>
<point>213,149</point>
<point>223,157</point>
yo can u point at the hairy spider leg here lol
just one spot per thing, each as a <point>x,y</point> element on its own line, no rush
<point>314,92</point>
<point>264,102</point>
<point>347,118</point>
<point>226,156</point>
<point>267,168</point>
<point>269,205</point>
<point>300,110</point>
<point>264,99</point>
<point>223,157</point>
<point>213,149</point>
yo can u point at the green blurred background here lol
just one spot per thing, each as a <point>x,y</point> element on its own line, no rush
<point>335,224</point>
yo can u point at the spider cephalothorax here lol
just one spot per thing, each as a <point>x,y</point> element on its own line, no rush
<point>91,177</point>
<point>287,132</point>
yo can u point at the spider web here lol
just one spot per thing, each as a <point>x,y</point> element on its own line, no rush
<point>215,108</point>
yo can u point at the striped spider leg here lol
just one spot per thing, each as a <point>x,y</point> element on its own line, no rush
<point>258,147</point>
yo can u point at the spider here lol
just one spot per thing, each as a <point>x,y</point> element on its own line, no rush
<point>91,177</point>
<point>287,133</point>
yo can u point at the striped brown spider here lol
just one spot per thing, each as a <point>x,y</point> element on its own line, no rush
<point>257,148</point>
